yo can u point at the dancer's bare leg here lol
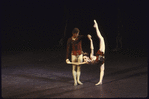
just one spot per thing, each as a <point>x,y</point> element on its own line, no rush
<point>102,48</point>
<point>80,58</point>
<point>101,74</point>
<point>78,75</point>
<point>74,73</point>
<point>102,43</point>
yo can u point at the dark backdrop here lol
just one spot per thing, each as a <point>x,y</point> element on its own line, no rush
<point>38,24</point>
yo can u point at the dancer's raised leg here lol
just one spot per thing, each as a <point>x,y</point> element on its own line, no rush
<point>102,49</point>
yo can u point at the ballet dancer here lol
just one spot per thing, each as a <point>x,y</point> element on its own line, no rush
<point>100,55</point>
<point>75,44</point>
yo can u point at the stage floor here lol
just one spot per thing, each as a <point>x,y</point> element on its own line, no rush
<point>44,74</point>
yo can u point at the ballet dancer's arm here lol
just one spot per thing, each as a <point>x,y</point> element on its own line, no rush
<point>102,43</point>
<point>75,63</point>
<point>91,46</point>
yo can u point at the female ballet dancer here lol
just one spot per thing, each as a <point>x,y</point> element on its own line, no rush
<point>100,55</point>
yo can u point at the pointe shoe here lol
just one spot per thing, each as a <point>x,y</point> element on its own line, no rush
<point>79,82</point>
<point>99,83</point>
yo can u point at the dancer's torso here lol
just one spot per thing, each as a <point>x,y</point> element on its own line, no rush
<point>98,59</point>
<point>76,46</point>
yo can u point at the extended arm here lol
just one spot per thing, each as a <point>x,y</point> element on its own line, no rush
<point>91,46</point>
<point>76,63</point>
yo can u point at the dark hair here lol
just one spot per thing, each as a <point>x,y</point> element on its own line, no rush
<point>75,30</point>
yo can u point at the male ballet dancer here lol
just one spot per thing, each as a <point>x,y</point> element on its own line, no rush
<point>99,58</point>
<point>74,43</point>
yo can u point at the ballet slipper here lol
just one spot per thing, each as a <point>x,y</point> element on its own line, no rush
<point>75,84</point>
<point>79,82</point>
<point>99,83</point>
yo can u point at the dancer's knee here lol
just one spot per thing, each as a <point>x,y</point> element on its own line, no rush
<point>74,67</point>
<point>102,67</point>
<point>78,68</point>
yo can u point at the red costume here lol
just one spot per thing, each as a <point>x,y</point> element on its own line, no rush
<point>102,60</point>
<point>75,45</point>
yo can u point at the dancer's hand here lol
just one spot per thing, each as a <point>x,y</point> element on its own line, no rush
<point>67,61</point>
<point>95,24</point>
<point>89,36</point>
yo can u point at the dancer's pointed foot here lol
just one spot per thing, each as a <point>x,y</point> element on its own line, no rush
<point>79,82</point>
<point>99,83</point>
<point>95,24</point>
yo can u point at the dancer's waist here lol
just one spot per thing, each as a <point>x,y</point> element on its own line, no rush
<point>78,52</point>
<point>100,53</point>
